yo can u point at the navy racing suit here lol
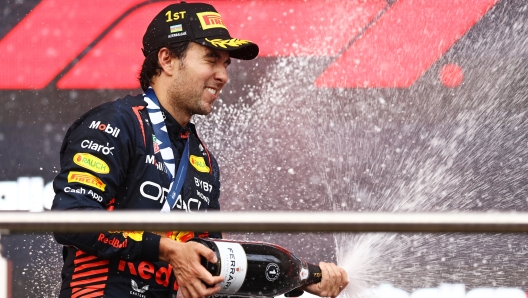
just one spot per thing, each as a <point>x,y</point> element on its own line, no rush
<point>110,161</point>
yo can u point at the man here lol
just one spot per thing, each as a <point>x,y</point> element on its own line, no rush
<point>143,153</point>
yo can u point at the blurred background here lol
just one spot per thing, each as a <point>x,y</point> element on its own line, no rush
<point>352,105</point>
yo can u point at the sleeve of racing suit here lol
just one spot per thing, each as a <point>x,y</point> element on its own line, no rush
<point>94,158</point>
<point>215,203</point>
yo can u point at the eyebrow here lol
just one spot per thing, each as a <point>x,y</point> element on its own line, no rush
<point>215,54</point>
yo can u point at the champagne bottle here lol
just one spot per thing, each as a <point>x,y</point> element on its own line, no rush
<point>257,268</point>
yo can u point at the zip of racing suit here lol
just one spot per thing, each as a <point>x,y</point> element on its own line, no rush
<point>110,160</point>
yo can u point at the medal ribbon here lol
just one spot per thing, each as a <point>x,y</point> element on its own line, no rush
<point>163,141</point>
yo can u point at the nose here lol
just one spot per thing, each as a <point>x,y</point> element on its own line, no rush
<point>221,75</point>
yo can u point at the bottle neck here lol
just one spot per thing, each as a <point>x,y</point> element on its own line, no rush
<point>213,268</point>
<point>314,274</point>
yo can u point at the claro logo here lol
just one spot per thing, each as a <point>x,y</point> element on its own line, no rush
<point>373,43</point>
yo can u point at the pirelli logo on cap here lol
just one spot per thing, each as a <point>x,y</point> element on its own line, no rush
<point>210,20</point>
<point>86,179</point>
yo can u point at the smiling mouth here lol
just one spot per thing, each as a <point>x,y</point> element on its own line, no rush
<point>211,90</point>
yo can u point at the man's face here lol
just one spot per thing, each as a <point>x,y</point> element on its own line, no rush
<point>198,80</point>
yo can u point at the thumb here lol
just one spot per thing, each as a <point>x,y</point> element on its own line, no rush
<point>207,253</point>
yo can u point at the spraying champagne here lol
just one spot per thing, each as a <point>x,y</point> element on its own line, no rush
<point>257,268</point>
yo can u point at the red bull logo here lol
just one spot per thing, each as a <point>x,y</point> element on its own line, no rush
<point>112,242</point>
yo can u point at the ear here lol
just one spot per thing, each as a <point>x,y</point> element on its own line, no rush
<point>166,62</point>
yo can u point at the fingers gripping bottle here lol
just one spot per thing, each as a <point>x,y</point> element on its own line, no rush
<point>257,268</point>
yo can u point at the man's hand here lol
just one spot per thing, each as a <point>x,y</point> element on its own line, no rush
<point>334,280</point>
<point>190,274</point>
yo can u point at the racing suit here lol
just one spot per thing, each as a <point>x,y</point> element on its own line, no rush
<point>110,161</point>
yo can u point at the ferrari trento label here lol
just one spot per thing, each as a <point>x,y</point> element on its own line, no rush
<point>234,266</point>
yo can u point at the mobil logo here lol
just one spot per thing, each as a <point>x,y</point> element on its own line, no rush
<point>151,159</point>
<point>109,129</point>
<point>375,43</point>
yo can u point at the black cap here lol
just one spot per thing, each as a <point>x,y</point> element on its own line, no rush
<point>198,22</point>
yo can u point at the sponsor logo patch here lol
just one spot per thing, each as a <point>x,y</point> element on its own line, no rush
<point>153,191</point>
<point>82,191</point>
<point>112,242</point>
<point>203,184</point>
<point>136,289</point>
<point>90,162</point>
<point>86,179</point>
<point>202,196</point>
<point>146,271</point>
<point>156,143</point>
<point>151,159</point>
<point>79,190</point>
<point>96,147</point>
<point>177,34</point>
<point>210,20</point>
<point>113,131</point>
<point>198,163</point>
